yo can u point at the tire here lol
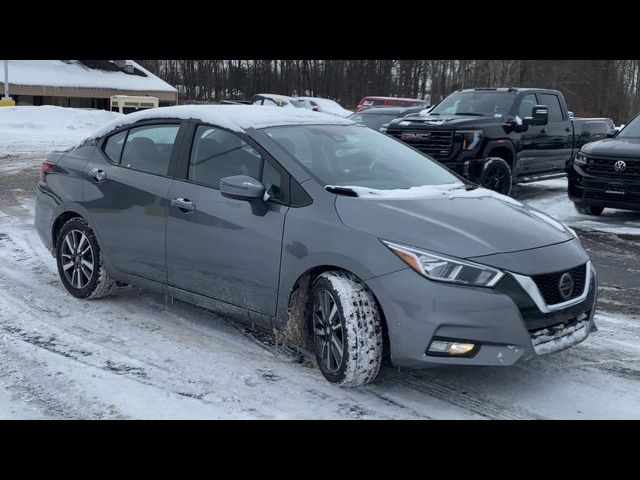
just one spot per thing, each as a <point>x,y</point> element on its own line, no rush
<point>496,175</point>
<point>355,350</point>
<point>79,279</point>
<point>588,210</point>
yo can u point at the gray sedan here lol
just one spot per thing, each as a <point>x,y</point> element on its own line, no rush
<point>335,235</point>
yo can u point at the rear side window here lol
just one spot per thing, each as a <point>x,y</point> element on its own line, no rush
<point>553,104</point>
<point>113,146</point>
<point>149,148</point>
<point>217,154</point>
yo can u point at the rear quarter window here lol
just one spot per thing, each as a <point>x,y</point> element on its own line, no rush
<point>113,146</point>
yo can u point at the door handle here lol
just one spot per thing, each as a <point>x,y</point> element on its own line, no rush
<point>183,204</point>
<point>97,174</point>
<point>544,130</point>
<point>568,129</point>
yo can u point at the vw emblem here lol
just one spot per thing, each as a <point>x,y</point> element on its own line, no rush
<point>620,166</point>
<point>565,285</point>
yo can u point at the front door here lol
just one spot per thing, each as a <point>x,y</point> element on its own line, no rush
<point>217,246</point>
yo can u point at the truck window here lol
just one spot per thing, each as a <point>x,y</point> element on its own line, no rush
<point>553,104</point>
<point>526,107</point>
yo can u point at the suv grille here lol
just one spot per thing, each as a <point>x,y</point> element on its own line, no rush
<point>605,166</point>
<point>438,145</point>
<point>549,285</point>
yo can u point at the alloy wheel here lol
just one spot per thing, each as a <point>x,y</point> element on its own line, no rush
<point>328,331</point>
<point>77,259</point>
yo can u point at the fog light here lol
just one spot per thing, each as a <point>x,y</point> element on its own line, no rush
<point>459,349</point>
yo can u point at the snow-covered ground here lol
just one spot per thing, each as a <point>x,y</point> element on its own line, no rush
<point>550,196</point>
<point>39,130</point>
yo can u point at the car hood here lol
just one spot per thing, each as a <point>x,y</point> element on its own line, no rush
<point>451,221</point>
<point>622,147</point>
<point>448,121</point>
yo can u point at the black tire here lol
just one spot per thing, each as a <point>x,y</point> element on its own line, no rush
<point>588,210</point>
<point>496,175</point>
<point>361,329</point>
<point>83,282</point>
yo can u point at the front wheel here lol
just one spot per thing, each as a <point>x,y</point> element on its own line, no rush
<point>80,262</point>
<point>347,329</point>
<point>496,176</point>
<point>588,210</point>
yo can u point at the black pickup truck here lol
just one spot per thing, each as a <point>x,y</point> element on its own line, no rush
<point>496,137</point>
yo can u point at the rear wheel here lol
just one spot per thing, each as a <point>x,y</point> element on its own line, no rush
<point>588,210</point>
<point>80,262</point>
<point>496,176</point>
<point>347,329</point>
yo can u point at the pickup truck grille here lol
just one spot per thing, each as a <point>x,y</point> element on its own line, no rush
<point>549,285</point>
<point>435,143</point>
<point>605,166</point>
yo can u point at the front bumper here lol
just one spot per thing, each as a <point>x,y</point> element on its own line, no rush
<point>505,321</point>
<point>596,191</point>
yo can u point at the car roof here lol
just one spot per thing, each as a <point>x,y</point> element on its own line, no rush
<point>506,89</point>
<point>389,110</point>
<point>376,97</point>
<point>239,118</point>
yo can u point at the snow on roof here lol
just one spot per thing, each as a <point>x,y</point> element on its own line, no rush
<point>237,118</point>
<point>58,73</point>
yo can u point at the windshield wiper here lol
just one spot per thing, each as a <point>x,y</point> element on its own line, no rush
<point>473,114</point>
<point>471,187</point>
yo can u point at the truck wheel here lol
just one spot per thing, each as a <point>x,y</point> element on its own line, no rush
<point>347,329</point>
<point>80,262</point>
<point>496,176</point>
<point>588,210</point>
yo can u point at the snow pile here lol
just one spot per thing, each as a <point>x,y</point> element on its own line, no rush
<point>424,191</point>
<point>56,73</point>
<point>42,129</point>
<point>329,106</point>
<point>237,118</point>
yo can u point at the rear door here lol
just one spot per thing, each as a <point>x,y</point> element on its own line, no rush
<point>217,247</point>
<point>125,190</point>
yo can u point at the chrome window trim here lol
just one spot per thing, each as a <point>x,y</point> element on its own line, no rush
<point>528,284</point>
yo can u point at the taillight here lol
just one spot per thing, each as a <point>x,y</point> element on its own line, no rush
<point>44,168</point>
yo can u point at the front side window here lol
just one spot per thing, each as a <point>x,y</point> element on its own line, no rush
<point>353,155</point>
<point>149,148</point>
<point>553,104</point>
<point>526,106</point>
<point>218,153</point>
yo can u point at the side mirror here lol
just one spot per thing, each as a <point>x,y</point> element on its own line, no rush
<point>539,116</point>
<point>612,133</point>
<point>243,187</point>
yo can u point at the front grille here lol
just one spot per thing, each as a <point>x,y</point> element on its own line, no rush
<point>605,166</point>
<point>439,145</point>
<point>549,284</point>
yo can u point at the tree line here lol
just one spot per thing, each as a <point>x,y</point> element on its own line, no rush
<point>609,88</point>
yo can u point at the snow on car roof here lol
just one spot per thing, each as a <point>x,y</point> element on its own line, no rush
<point>237,118</point>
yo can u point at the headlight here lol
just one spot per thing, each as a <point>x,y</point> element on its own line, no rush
<point>581,159</point>
<point>383,128</point>
<point>446,269</point>
<point>470,139</point>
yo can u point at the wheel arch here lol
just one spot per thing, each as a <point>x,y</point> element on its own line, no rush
<point>503,149</point>
<point>292,321</point>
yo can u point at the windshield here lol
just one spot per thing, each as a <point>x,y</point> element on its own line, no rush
<point>631,130</point>
<point>479,102</point>
<point>352,155</point>
<point>372,120</point>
